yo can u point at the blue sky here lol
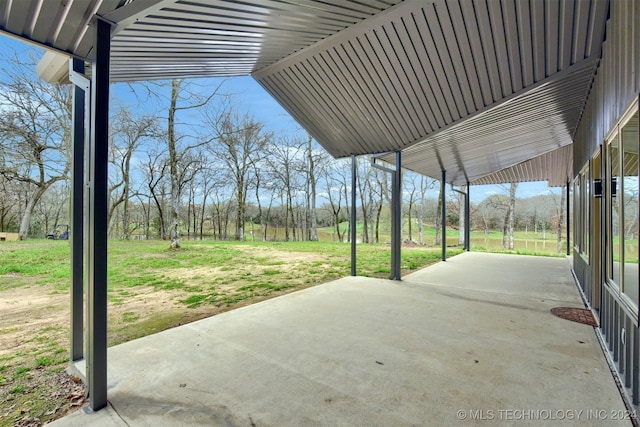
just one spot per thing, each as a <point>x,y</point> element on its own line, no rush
<point>249,96</point>
<point>524,190</point>
<point>252,98</point>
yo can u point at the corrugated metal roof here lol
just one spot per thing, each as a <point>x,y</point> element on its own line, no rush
<point>536,122</point>
<point>366,76</point>
<point>223,38</point>
<point>415,74</point>
<point>554,167</point>
<point>64,25</point>
<point>160,39</point>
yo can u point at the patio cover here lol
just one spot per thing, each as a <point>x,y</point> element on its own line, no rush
<point>470,87</point>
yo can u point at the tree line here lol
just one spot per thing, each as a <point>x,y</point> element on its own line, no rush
<point>201,167</point>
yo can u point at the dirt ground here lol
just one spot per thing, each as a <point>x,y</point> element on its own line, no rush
<point>31,318</point>
<point>35,319</point>
<point>34,337</point>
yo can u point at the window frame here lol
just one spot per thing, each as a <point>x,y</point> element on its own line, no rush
<point>616,133</point>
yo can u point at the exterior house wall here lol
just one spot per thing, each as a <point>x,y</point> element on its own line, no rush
<point>616,83</point>
<point>615,87</point>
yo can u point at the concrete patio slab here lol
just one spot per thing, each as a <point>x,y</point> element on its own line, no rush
<point>469,341</point>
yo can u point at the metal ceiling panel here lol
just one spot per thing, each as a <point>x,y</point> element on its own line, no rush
<point>209,37</point>
<point>527,126</point>
<point>63,25</point>
<point>553,167</point>
<point>223,38</point>
<point>471,87</point>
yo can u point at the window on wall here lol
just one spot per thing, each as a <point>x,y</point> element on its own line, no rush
<point>622,206</point>
<point>613,210</point>
<point>629,208</point>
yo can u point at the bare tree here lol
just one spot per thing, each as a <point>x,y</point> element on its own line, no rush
<point>155,169</point>
<point>144,202</point>
<point>239,142</point>
<point>258,177</point>
<point>53,207</point>
<point>128,132</point>
<point>312,159</point>
<point>182,98</point>
<point>503,206</point>
<point>346,188</point>
<point>383,197</point>
<point>483,211</point>
<point>364,185</point>
<point>8,202</point>
<point>425,185</point>
<point>410,184</point>
<point>284,159</point>
<point>208,180</point>
<point>34,132</point>
<point>630,201</point>
<point>221,212</point>
<point>493,210</point>
<point>334,194</point>
<point>508,223</point>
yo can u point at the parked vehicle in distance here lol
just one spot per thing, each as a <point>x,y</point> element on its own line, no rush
<point>60,232</point>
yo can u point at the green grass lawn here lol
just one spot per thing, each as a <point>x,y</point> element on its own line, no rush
<point>150,288</point>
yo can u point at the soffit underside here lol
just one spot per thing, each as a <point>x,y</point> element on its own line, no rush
<point>209,38</point>
<point>553,167</point>
<point>363,77</point>
<point>534,123</point>
<point>467,87</point>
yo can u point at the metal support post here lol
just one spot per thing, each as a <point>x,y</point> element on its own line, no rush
<point>568,220</point>
<point>396,220</point>
<point>396,215</point>
<point>77,221</point>
<point>352,225</point>
<point>467,219</point>
<point>443,190</point>
<point>80,229</point>
<point>79,201</point>
<point>98,195</point>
